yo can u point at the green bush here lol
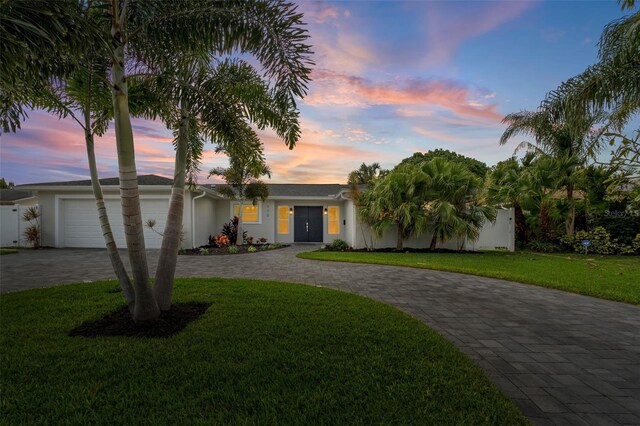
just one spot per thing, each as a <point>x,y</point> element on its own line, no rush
<point>601,242</point>
<point>233,249</point>
<point>274,246</point>
<point>622,228</point>
<point>338,245</point>
<point>252,249</point>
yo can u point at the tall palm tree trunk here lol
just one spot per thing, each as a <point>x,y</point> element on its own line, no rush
<point>400,241</point>
<point>165,272</point>
<point>146,307</point>
<point>434,242</point>
<point>571,218</point>
<point>112,249</point>
<point>239,231</point>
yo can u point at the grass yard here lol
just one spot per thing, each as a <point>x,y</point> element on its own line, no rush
<point>264,353</point>
<point>607,277</point>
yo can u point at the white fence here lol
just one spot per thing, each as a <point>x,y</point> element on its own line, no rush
<point>12,226</point>
<point>499,235</point>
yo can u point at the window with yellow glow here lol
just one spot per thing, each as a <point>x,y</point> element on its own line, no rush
<point>334,220</point>
<point>283,219</point>
<point>250,213</point>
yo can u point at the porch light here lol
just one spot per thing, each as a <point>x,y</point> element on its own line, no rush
<point>290,210</point>
<point>325,210</point>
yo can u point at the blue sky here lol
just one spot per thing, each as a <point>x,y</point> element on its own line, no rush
<point>391,78</point>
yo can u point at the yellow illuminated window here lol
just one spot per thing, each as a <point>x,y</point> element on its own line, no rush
<point>334,220</point>
<point>249,212</point>
<point>283,220</point>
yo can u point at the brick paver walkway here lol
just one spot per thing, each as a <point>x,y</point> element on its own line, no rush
<point>562,358</point>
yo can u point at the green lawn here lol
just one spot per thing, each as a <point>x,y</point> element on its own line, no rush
<point>7,251</point>
<point>264,353</point>
<point>607,277</point>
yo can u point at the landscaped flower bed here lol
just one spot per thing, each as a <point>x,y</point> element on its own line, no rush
<point>209,250</point>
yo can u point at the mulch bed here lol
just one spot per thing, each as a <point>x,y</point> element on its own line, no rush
<point>212,250</point>
<point>120,323</point>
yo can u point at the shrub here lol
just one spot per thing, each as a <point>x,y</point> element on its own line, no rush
<point>204,251</point>
<point>221,240</point>
<point>543,247</point>
<point>233,249</point>
<point>621,227</point>
<point>32,232</point>
<point>274,246</point>
<point>231,230</point>
<point>249,240</point>
<point>601,242</point>
<point>338,245</point>
<point>252,249</point>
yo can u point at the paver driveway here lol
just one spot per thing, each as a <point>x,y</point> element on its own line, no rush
<point>561,357</point>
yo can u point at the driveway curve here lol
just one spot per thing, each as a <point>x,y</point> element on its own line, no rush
<point>562,358</point>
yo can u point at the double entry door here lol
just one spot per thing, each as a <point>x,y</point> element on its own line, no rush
<point>307,224</point>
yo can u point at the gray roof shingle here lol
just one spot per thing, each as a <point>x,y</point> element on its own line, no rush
<point>301,189</point>
<point>13,194</point>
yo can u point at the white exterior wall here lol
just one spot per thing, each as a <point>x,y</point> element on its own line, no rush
<point>204,216</point>
<point>351,226</point>
<point>493,236</point>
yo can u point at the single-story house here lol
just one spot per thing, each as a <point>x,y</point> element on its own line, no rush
<point>300,213</point>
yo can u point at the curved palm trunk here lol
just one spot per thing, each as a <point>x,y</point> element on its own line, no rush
<point>146,307</point>
<point>112,249</point>
<point>165,272</point>
<point>571,219</point>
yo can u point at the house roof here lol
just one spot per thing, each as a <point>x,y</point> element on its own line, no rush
<point>301,190</point>
<point>14,194</point>
<point>285,190</point>
<point>112,181</point>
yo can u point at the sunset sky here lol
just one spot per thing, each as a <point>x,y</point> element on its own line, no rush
<point>391,78</point>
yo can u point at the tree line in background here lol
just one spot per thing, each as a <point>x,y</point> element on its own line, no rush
<point>560,190</point>
<point>102,62</point>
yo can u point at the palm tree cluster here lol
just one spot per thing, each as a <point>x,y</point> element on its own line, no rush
<point>102,62</point>
<point>570,130</point>
<point>439,197</point>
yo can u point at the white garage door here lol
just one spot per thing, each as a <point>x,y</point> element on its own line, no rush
<point>79,225</point>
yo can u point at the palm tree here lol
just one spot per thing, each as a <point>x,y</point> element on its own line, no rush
<point>453,206</point>
<point>365,174</point>
<point>397,199</point>
<point>611,85</point>
<point>272,31</point>
<point>81,93</point>
<point>507,186</point>
<point>138,36</point>
<point>246,167</point>
<point>568,144</point>
<point>213,100</point>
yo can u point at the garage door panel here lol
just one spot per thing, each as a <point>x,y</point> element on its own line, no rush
<point>80,226</point>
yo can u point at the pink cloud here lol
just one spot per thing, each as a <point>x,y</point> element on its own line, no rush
<point>335,88</point>
<point>434,135</point>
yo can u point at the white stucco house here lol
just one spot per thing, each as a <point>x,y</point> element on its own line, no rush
<point>300,213</point>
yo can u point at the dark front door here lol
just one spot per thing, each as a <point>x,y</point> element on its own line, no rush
<point>307,226</point>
